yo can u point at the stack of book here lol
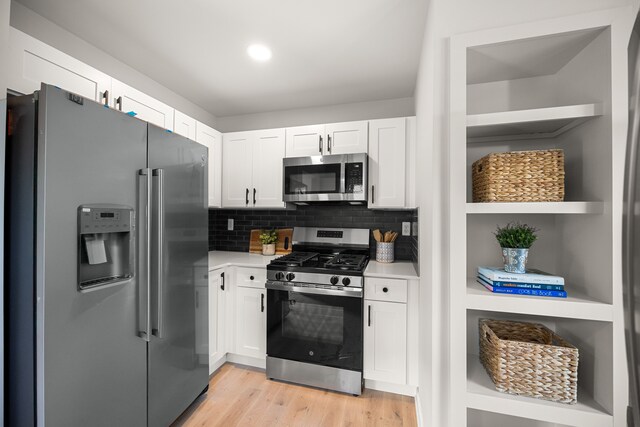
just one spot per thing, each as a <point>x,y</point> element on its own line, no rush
<point>533,282</point>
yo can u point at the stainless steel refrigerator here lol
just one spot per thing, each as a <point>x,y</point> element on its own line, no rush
<point>106,254</point>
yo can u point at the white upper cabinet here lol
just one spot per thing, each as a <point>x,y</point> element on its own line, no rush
<point>32,62</point>
<point>237,169</point>
<point>387,163</point>
<point>305,141</point>
<point>144,107</point>
<point>346,138</point>
<point>252,169</point>
<point>268,152</point>
<point>336,138</point>
<point>184,125</point>
<point>213,140</point>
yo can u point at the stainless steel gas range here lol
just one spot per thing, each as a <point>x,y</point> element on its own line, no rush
<point>315,309</point>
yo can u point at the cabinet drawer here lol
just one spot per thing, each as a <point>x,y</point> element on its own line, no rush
<point>393,290</point>
<point>252,277</point>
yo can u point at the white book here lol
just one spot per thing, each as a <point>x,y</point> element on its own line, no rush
<point>531,276</point>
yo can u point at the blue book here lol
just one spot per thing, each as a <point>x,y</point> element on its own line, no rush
<point>507,284</point>
<point>532,276</point>
<point>519,291</point>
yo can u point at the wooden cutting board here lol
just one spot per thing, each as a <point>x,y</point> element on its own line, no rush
<point>283,246</point>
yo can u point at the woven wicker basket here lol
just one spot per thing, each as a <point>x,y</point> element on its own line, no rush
<point>519,176</point>
<point>528,359</point>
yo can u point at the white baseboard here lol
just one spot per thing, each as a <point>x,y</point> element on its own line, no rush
<point>419,415</point>
<point>246,360</point>
<point>404,389</point>
<point>214,365</point>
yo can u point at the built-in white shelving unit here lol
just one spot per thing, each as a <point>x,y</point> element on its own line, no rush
<point>543,85</point>
<point>534,123</point>
<point>536,208</point>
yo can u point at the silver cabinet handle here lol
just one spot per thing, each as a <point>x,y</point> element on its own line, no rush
<point>144,241</point>
<point>329,143</point>
<point>320,143</point>
<point>159,175</point>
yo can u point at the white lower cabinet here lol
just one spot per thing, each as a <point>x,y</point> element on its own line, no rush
<point>217,318</point>
<point>385,341</point>
<point>251,322</point>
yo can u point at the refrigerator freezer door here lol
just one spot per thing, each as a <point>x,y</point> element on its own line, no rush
<point>178,372</point>
<point>91,363</point>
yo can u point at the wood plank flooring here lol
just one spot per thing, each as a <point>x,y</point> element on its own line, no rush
<point>242,396</point>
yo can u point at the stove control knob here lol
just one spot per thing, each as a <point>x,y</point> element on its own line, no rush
<point>279,276</point>
<point>346,281</point>
<point>334,280</point>
<point>290,276</point>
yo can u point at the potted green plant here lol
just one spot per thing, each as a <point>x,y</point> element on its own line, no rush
<point>515,239</point>
<point>269,238</point>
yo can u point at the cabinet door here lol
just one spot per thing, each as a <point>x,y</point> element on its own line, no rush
<point>184,125</point>
<point>237,171</point>
<point>251,329</point>
<point>346,138</point>
<point>387,160</point>
<point>130,100</point>
<point>203,334</point>
<point>385,341</point>
<point>305,141</point>
<point>217,318</point>
<point>213,140</point>
<point>268,152</point>
<point>32,62</point>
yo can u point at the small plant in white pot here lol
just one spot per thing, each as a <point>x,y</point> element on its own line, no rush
<point>269,238</point>
<point>515,239</point>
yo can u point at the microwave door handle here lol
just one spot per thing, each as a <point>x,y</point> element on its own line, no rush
<point>343,179</point>
<point>320,143</point>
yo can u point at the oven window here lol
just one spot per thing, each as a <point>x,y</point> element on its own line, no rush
<point>312,179</point>
<point>313,322</point>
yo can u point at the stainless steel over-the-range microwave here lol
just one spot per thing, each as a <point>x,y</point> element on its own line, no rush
<point>339,177</point>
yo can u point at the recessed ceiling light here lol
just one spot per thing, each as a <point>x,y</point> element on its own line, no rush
<point>259,52</point>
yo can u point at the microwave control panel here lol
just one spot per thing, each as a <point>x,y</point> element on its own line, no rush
<point>353,177</point>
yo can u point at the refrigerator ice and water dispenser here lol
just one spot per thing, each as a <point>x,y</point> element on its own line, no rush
<point>105,246</point>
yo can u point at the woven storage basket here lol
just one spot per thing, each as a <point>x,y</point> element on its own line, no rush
<point>528,359</point>
<point>519,176</point>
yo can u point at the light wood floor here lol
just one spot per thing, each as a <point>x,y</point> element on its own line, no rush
<point>242,396</point>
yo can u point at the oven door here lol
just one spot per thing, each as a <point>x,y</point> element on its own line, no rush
<point>318,326</point>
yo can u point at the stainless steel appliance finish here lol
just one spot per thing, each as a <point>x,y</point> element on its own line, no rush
<point>118,355</point>
<point>315,309</point>
<point>314,375</point>
<point>331,178</point>
<point>631,236</point>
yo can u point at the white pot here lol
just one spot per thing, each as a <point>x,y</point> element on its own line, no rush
<point>269,249</point>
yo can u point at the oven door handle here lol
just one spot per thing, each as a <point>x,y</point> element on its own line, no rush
<point>352,292</point>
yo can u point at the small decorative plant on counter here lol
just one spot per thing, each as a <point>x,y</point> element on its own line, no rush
<point>515,239</point>
<point>269,238</point>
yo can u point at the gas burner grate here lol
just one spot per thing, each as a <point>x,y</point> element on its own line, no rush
<point>346,262</point>
<point>295,259</point>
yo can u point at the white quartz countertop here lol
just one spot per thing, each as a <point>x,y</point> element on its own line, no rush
<point>392,270</point>
<point>219,259</point>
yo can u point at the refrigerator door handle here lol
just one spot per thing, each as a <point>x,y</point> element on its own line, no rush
<point>159,175</point>
<point>144,242</point>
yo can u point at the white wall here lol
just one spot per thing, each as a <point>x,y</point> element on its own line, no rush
<point>29,22</point>
<point>447,18</point>
<point>4,39</point>
<point>400,107</point>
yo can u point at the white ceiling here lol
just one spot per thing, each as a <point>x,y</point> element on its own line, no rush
<point>325,52</point>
